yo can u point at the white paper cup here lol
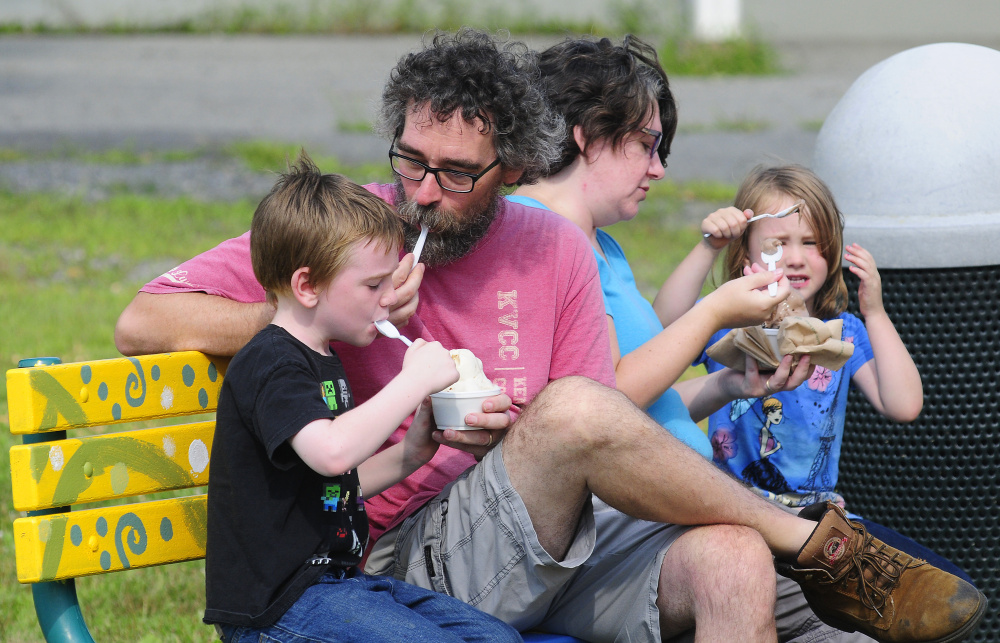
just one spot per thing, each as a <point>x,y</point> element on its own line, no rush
<point>450,408</point>
<point>772,338</point>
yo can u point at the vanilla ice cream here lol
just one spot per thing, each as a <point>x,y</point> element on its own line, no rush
<point>470,373</point>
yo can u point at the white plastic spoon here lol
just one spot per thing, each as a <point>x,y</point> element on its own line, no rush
<point>419,246</point>
<point>772,261</point>
<point>385,327</point>
<point>776,215</point>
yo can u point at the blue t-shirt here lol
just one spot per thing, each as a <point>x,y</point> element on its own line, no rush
<point>635,324</point>
<point>787,445</point>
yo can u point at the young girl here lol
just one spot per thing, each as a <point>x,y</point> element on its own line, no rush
<point>786,444</point>
<point>812,425</point>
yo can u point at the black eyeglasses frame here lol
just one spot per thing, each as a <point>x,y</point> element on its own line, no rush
<point>436,171</point>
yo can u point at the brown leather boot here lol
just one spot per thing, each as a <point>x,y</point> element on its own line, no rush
<point>854,581</point>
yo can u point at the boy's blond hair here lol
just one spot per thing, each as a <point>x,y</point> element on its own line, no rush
<point>310,219</point>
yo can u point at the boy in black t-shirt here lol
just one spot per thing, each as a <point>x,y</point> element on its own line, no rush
<point>292,454</point>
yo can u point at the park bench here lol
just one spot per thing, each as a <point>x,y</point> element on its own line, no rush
<point>51,472</point>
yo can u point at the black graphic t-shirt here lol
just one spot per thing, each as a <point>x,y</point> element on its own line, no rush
<point>274,524</point>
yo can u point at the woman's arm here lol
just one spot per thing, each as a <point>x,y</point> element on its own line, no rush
<point>198,321</point>
<point>644,374</point>
<point>683,287</point>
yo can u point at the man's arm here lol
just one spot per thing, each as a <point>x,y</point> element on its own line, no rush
<point>195,320</point>
<point>158,323</point>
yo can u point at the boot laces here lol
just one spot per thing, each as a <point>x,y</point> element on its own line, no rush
<point>878,569</point>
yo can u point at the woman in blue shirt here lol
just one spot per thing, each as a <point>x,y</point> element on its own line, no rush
<point>621,118</point>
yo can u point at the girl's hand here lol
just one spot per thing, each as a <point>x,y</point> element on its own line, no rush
<point>431,364</point>
<point>870,289</point>
<point>418,442</point>
<point>724,225</point>
<point>758,384</point>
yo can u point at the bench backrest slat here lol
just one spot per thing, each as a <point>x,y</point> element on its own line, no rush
<point>127,389</point>
<point>101,467</point>
<point>109,539</point>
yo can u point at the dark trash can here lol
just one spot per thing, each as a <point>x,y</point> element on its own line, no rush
<point>912,154</point>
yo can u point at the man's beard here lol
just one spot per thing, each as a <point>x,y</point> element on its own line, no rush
<point>451,236</point>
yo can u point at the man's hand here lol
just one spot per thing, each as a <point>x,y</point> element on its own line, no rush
<point>492,425</point>
<point>406,281</point>
<point>419,445</point>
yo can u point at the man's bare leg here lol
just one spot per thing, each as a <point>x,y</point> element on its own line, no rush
<point>578,437</point>
<point>721,578</point>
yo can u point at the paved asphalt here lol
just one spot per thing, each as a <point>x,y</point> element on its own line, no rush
<point>171,92</point>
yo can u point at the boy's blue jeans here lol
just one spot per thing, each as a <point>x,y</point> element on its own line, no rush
<point>366,608</point>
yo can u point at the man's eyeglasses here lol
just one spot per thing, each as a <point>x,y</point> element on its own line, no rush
<point>657,139</point>
<point>450,180</point>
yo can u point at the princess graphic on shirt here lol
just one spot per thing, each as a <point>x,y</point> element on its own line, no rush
<point>762,473</point>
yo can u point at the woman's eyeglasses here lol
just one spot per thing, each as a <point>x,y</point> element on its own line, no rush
<point>657,139</point>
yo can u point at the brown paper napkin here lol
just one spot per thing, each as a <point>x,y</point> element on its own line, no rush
<point>796,336</point>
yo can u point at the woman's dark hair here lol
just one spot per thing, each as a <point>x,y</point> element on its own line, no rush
<point>608,90</point>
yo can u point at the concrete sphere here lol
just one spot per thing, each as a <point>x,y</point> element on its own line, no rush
<point>912,155</point>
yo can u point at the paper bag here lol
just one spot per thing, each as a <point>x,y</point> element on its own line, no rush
<point>797,336</point>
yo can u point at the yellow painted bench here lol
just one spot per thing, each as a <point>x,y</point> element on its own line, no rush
<point>51,472</point>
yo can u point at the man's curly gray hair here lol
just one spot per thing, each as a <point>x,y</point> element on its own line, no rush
<point>491,78</point>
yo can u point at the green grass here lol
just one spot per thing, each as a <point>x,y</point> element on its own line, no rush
<point>739,125</point>
<point>67,269</point>
<point>126,155</point>
<point>659,238</point>
<point>683,56</point>
<point>355,127</point>
<point>268,156</point>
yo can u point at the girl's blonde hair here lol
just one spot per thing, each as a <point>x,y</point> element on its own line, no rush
<point>760,188</point>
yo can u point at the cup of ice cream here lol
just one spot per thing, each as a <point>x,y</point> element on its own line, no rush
<point>465,396</point>
<point>793,306</point>
<point>772,339</point>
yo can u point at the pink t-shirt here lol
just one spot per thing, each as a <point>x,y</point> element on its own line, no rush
<point>527,301</point>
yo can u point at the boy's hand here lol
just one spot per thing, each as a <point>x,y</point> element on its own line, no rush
<point>430,364</point>
<point>493,422</point>
<point>407,283</point>
<point>418,442</point>
<point>724,225</point>
<point>745,301</point>
<point>870,289</point>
